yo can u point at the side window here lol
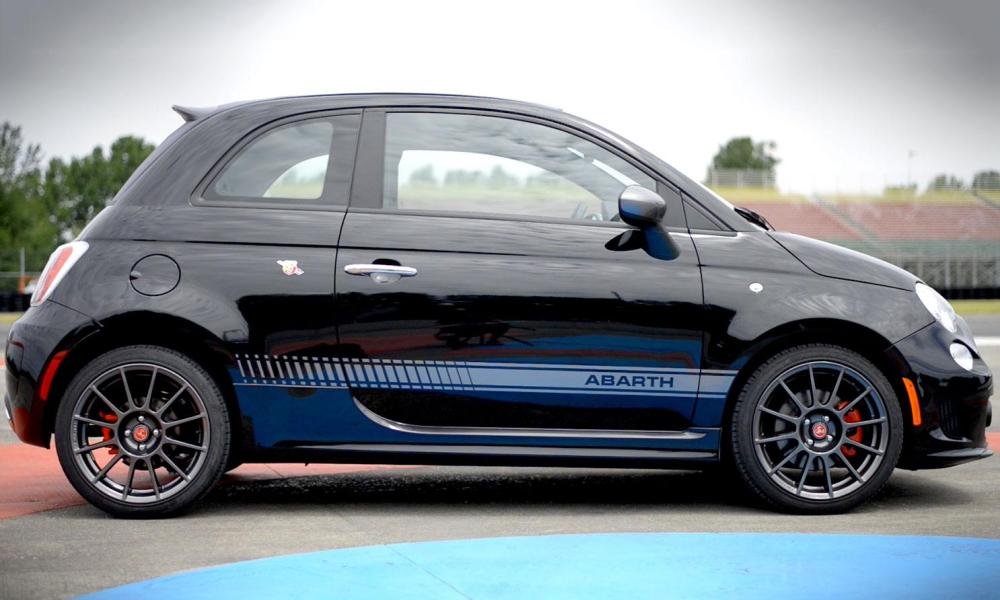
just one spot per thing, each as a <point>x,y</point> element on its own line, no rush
<point>302,162</point>
<point>696,219</point>
<point>485,164</point>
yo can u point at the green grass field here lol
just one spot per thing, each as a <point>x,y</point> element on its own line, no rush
<point>976,307</point>
<point>738,195</point>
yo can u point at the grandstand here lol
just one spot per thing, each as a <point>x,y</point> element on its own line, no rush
<point>949,239</point>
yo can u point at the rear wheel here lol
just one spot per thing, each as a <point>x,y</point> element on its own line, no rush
<point>816,429</point>
<point>143,431</point>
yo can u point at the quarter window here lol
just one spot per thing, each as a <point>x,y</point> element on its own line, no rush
<point>292,163</point>
<point>483,164</point>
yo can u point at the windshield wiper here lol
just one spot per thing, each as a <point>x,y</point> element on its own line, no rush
<point>754,217</point>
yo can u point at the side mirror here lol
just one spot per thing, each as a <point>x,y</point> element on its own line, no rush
<point>641,207</point>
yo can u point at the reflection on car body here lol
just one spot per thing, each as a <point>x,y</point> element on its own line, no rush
<point>458,280</point>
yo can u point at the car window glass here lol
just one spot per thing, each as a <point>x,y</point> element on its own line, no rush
<point>484,164</point>
<point>288,162</point>
<point>697,220</point>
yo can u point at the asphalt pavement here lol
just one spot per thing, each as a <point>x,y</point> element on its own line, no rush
<point>70,551</point>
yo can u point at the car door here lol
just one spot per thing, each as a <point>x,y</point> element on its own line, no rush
<point>483,284</point>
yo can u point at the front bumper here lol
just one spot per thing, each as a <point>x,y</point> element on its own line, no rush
<point>33,340</point>
<point>954,402</point>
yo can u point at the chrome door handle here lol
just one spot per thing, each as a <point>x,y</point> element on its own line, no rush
<point>381,273</point>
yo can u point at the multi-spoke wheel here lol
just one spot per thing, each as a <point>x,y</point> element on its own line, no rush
<point>816,429</point>
<point>142,431</point>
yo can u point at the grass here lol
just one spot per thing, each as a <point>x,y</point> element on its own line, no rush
<point>976,307</point>
<point>738,195</point>
<point>10,317</point>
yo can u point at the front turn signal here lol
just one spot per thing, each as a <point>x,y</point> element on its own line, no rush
<point>911,394</point>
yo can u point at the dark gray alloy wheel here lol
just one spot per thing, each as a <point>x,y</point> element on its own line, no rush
<point>816,429</point>
<point>142,432</point>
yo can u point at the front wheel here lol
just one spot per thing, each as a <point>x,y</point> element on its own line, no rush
<point>142,431</point>
<point>816,429</point>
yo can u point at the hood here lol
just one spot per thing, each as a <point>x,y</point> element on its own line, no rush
<point>835,261</point>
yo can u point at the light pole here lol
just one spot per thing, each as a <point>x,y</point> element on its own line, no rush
<point>909,168</point>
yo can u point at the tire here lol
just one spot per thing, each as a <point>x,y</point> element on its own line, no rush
<point>136,454</point>
<point>846,465</point>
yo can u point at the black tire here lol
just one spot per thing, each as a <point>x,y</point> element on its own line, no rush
<point>814,431</point>
<point>206,432</point>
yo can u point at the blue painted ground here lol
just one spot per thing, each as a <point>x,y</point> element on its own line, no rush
<point>632,566</point>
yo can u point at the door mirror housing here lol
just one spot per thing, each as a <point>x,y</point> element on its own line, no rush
<point>641,207</point>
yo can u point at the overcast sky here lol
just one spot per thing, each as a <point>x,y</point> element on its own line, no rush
<point>846,88</point>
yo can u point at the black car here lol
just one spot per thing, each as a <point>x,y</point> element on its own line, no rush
<point>456,280</point>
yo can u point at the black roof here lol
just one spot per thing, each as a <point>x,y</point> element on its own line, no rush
<point>193,113</point>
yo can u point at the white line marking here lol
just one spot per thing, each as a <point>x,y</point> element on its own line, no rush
<point>990,340</point>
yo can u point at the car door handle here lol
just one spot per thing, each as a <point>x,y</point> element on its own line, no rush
<point>381,273</point>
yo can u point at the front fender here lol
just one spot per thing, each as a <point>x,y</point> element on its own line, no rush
<point>739,320</point>
<point>792,304</point>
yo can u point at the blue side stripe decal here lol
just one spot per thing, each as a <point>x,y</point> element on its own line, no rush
<point>368,373</point>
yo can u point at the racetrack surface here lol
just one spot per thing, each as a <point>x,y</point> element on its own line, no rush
<point>74,550</point>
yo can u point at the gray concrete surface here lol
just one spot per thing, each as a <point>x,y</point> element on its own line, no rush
<point>71,551</point>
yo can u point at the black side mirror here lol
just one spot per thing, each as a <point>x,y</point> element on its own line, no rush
<point>641,207</point>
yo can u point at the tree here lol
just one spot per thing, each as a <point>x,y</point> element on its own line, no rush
<point>41,208</point>
<point>986,180</point>
<point>463,177</point>
<point>944,182</point>
<point>424,175</point>
<point>500,178</point>
<point>24,220</point>
<point>75,192</point>
<point>743,153</point>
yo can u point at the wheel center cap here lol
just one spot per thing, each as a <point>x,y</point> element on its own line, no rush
<point>819,431</point>
<point>140,433</point>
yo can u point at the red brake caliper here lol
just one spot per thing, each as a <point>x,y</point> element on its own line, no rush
<point>106,431</point>
<point>852,417</point>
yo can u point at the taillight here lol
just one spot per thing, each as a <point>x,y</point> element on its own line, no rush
<point>61,261</point>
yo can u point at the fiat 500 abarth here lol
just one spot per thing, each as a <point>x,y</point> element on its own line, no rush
<point>454,280</point>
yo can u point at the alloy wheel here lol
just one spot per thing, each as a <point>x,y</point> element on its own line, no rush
<point>140,433</point>
<point>820,430</point>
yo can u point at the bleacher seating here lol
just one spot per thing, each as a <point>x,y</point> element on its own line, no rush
<point>806,218</point>
<point>953,217</point>
<point>920,221</point>
<point>950,240</point>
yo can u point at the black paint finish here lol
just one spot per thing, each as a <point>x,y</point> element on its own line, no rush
<point>495,291</point>
<point>604,315</point>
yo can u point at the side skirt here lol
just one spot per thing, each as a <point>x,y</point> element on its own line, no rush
<point>485,455</point>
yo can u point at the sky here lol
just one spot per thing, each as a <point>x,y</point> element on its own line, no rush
<point>856,94</point>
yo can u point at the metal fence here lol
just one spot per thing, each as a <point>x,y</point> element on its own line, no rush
<point>14,273</point>
<point>947,233</point>
<point>739,178</point>
<point>956,269</point>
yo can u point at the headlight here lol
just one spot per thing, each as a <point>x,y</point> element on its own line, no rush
<point>939,308</point>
